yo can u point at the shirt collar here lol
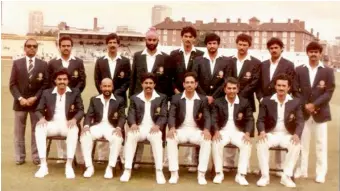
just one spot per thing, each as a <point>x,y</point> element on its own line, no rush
<point>277,61</point>
<point>153,96</point>
<point>236,101</point>
<point>70,58</point>
<point>55,90</point>
<point>145,52</point>
<point>274,97</point>
<point>206,55</point>
<point>101,96</point>
<point>246,58</point>
<point>109,58</point>
<point>192,49</point>
<point>195,96</point>
<point>320,64</point>
<point>28,59</point>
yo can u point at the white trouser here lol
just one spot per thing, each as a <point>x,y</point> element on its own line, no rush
<point>235,137</point>
<point>283,140</point>
<point>57,128</point>
<point>155,140</point>
<point>320,131</point>
<point>192,135</point>
<point>98,131</point>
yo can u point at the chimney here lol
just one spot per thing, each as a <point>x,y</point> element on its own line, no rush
<point>271,20</point>
<point>288,21</point>
<point>198,22</point>
<point>311,30</point>
<point>95,23</point>
<point>295,21</point>
<point>228,20</point>
<point>302,24</point>
<point>183,19</point>
<point>215,20</point>
<point>238,20</point>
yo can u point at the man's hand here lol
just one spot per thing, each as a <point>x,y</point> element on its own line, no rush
<point>310,107</point>
<point>263,136</point>
<point>246,138</point>
<point>295,139</point>
<point>85,129</point>
<point>217,136</point>
<point>210,99</point>
<point>176,91</point>
<point>154,129</point>
<point>207,135</point>
<point>23,102</point>
<point>71,123</point>
<point>118,132</point>
<point>42,122</point>
<point>31,100</point>
<point>171,133</point>
<point>134,128</point>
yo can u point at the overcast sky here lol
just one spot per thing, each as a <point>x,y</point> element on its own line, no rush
<point>324,17</point>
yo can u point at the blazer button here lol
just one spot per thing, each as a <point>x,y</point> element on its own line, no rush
<point>211,87</point>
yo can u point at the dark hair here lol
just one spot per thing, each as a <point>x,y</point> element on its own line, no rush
<point>62,71</point>
<point>244,37</point>
<point>285,77</point>
<point>146,76</point>
<point>191,74</point>
<point>29,40</point>
<point>61,39</point>
<point>274,40</point>
<point>314,46</point>
<point>231,80</point>
<point>112,36</point>
<point>189,29</point>
<point>211,37</point>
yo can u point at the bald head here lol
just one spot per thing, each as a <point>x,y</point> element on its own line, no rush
<point>106,87</point>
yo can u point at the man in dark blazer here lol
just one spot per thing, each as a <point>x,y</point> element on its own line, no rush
<point>105,117</point>
<point>147,119</point>
<point>232,121</point>
<point>280,123</point>
<point>28,79</point>
<point>315,84</point>
<point>151,60</point>
<point>59,111</point>
<point>189,121</point>
<point>210,69</point>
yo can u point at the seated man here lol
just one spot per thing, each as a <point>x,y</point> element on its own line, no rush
<point>189,121</point>
<point>104,118</point>
<point>280,123</point>
<point>59,110</point>
<point>233,121</point>
<point>147,117</point>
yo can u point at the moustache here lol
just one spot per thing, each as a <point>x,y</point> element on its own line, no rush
<point>62,84</point>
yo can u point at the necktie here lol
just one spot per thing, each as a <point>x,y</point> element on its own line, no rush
<point>30,69</point>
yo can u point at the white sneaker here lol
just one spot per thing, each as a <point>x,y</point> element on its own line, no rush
<point>192,169</point>
<point>264,181</point>
<point>160,179</point>
<point>201,178</point>
<point>42,172</point>
<point>126,176</point>
<point>320,179</point>
<point>241,180</point>
<point>174,177</point>
<point>69,172</point>
<point>278,174</point>
<point>108,173</point>
<point>298,174</point>
<point>218,178</point>
<point>287,181</point>
<point>89,172</point>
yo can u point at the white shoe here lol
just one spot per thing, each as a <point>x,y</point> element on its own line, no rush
<point>89,172</point>
<point>287,181</point>
<point>126,176</point>
<point>264,181</point>
<point>218,178</point>
<point>201,178</point>
<point>108,173</point>
<point>278,174</point>
<point>320,179</point>
<point>241,180</point>
<point>192,169</point>
<point>160,179</point>
<point>42,172</point>
<point>69,172</point>
<point>174,177</point>
<point>298,174</point>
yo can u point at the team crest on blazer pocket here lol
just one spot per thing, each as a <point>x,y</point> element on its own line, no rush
<point>220,74</point>
<point>291,117</point>
<point>158,111</point>
<point>248,75</point>
<point>75,74</point>
<point>121,74</point>
<point>239,116</point>
<point>40,76</point>
<point>72,108</point>
<point>322,84</point>
<point>160,70</point>
<point>115,115</point>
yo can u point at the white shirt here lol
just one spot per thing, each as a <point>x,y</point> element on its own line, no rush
<point>273,66</point>
<point>112,63</point>
<point>280,123</point>
<point>230,123</point>
<point>189,121</point>
<point>105,106</point>
<point>150,59</point>
<point>66,63</point>
<point>187,56</point>
<point>147,119</point>
<point>239,63</point>
<point>59,111</point>
<point>312,72</point>
<point>212,62</point>
<point>28,61</point>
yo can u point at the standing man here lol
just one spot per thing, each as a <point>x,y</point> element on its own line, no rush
<point>28,79</point>
<point>315,84</point>
<point>59,111</point>
<point>147,119</point>
<point>189,121</point>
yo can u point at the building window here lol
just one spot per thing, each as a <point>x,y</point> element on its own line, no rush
<point>165,38</point>
<point>292,34</point>
<point>231,33</point>
<point>173,39</point>
<point>174,32</point>
<point>224,33</point>
<point>274,34</point>
<point>264,41</point>
<point>264,34</point>
<point>284,34</point>
<point>256,33</point>
<point>256,40</point>
<point>159,32</point>
<point>165,31</point>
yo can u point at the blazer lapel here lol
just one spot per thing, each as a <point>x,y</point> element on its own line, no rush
<point>236,108</point>
<point>197,104</point>
<point>225,109</point>
<point>143,64</point>
<point>234,67</point>
<point>183,105</point>
<point>191,62</point>
<point>306,76</point>
<point>67,102</point>
<point>111,108</point>
<point>23,67</point>
<point>266,72</point>
<point>317,77</point>
<point>118,65</point>
<point>244,68</point>
<point>279,67</point>
<point>273,109</point>
<point>287,109</point>
<point>217,67</point>
<point>159,60</point>
<point>207,67</point>
<point>53,98</point>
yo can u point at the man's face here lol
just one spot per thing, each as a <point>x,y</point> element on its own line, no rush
<point>282,87</point>
<point>148,85</point>
<point>65,47</point>
<point>231,90</point>
<point>31,48</point>
<point>275,50</point>
<point>190,84</point>
<point>106,87</point>
<point>151,43</point>
<point>212,46</point>
<point>242,47</point>
<point>314,55</point>
<point>112,45</point>
<point>188,39</point>
<point>61,81</point>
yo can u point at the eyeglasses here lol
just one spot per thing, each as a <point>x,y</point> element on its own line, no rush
<point>30,46</point>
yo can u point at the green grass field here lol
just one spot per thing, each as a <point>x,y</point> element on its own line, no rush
<point>22,177</point>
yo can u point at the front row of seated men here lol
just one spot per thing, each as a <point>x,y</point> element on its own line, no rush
<point>190,119</point>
